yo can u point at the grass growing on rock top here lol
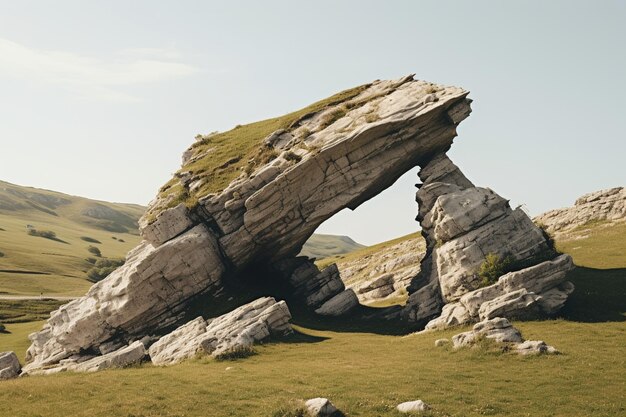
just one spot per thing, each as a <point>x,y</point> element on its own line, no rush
<point>223,156</point>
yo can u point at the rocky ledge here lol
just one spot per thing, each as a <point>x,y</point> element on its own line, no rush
<point>605,205</point>
<point>209,248</point>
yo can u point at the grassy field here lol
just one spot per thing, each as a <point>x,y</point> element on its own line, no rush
<point>601,245</point>
<point>368,373</point>
<point>31,265</point>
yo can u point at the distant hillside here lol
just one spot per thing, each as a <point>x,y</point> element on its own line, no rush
<point>45,238</point>
<point>322,246</point>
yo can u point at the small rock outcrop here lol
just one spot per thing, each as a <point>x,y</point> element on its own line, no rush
<point>241,328</point>
<point>321,407</point>
<point>462,224</point>
<point>417,406</point>
<point>501,331</point>
<point>605,205</point>
<point>384,273</point>
<point>9,365</point>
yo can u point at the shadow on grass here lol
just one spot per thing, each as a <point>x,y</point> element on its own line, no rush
<point>600,295</point>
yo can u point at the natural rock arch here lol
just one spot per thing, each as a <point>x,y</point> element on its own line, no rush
<point>200,237</point>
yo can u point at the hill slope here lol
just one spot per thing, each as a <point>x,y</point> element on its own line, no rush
<point>57,265</point>
<point>322,246</point>
<point>35,261</point>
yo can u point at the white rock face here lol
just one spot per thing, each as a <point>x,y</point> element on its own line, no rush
<point>261,219</point>
<point>384,273</point>
<point>498,329</point>
<point>462,224</point>
<point>537,291</point>
<point>248,324</point>
<point>9,365</point>
<point>501,331</point>
<point>320,407</point>
<point>416,406</point>
<point>131,300</point>
<point>605,205</point>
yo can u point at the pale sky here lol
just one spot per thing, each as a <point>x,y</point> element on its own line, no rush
<point>100,99</point>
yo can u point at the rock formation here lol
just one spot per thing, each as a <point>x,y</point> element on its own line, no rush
<point>462,225</point>
<point>606,205</point>
<point>9,365</point>
<point>500,330</point>
<point>227,228</point>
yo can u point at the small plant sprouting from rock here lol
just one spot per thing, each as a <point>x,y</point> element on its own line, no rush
<point>493,268</point>
<point>332,116</point>
<point>304,133</point>
<point>371,117</point>
<point>292,157</point>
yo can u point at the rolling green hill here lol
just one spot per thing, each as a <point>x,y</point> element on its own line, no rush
<point>34,261</point>
<point>323,246</point>
<point>45,238</point>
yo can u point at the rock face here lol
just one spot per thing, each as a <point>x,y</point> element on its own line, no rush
<point>205,240</point>
<point>462,224</point>
<point>9,365</point>
<point>240,328</point>
<point>605,205</point>
<point>383,273</point>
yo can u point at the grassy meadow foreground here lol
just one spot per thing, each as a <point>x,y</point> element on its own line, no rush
<point>368,373</point>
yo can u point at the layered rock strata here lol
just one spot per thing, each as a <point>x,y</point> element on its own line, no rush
<point>605,205</point>
<point>500,330</point>
<point>462,224</point>
<point>335,157</point>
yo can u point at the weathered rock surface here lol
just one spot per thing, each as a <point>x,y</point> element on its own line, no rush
<point>200,251</point>
<point>416,406</point>
<point>320,407</point>
<point>339,305</point>
<point>461,225</point>
<point>383,273</point>
<point>242,327</point>
<point>605,205</point>
<point>502,331</point>
<point>537,291</point>
<point>9,365</point>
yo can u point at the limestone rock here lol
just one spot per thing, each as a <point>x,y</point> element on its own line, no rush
<point>501,331</point>
<point>605,205</point>
<point>463,223</point>
<point>242,327</point>
<point>178,345</point>
<point>384,273</point>
<point>9,365</point>
<point>320,407</point>
<point>534,347</point>
<point>261,219</point>
<point>416,406</point>
<point>129,355</point>
<point>129,303</point>
<point>339,305</point>
<point>536,291</point>
<point>498,329</point>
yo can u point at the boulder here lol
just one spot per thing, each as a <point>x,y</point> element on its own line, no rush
<point>536,291</point>
<point>600,206</point>
<point>417,406</point>
<point>239,329</point>
<point>501,331</point>
<point>320,407</point>
<point>9,365</point>
<point>339,305</point>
